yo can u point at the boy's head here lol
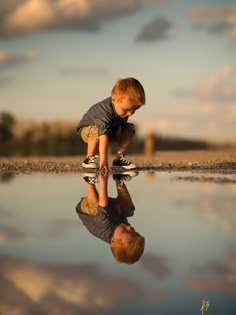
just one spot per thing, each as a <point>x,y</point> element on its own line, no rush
<point>127,245</point>
<point>127,95</point>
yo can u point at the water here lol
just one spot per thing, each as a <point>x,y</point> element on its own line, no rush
<point>51,264</point>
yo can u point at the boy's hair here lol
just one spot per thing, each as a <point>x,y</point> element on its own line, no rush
<point>128,252</point>
<point>130,88</point>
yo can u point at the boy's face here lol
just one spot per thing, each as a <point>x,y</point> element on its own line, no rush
<point>124,108</point>
<point>124,231</point>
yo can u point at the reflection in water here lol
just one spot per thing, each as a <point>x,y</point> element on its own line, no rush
<point>9,234</point>
<point>106,217</point>
<point>6,177</point>
<point>218,210</point>
<point>218,276</point>
<point>50,265</point>
<point>29,288</point>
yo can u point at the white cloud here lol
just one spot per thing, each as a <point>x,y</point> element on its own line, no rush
<point>8,59</point>
<point>215,16</point>
<point>34,15</point>
<point>217,87</point>
<point>205,11</point>
<point>163,124</point>
<point>85,70</point>
<point>230,114</point>
<point>221,86</point>
<point>156,30</point>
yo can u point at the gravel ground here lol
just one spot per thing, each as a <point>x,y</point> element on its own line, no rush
<point>213,161</point>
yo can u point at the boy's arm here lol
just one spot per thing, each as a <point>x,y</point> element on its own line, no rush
<point>103,194</point>
<point>103,152</point>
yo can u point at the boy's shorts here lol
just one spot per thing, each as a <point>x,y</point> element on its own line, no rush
<point>91,132</point>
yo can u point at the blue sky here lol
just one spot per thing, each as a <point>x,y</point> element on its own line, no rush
<point>59,57</point>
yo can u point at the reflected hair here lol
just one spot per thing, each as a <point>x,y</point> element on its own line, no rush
<point>128,252</point>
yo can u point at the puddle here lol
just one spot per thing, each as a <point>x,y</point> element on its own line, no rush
<point>51,264</point>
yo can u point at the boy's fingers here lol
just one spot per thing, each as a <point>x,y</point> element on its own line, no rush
<point>105,170</point>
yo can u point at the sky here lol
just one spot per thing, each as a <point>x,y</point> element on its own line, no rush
<point>59,57</point>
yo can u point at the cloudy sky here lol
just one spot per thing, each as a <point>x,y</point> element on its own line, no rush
<point>59,57</point>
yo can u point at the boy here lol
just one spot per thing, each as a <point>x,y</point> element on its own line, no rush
<point>106,218</point>
<point>108,121</point>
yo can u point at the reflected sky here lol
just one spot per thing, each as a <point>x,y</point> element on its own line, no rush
<point>51,264</point>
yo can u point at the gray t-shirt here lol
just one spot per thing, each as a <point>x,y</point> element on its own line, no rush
<point>103,116</point>
<point>103,224</point>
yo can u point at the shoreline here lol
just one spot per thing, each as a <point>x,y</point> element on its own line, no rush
<point>194,160</point>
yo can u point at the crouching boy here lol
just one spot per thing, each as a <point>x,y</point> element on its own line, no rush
<point>108,121</point>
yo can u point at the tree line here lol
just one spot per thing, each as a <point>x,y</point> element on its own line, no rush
<point>60,138</point>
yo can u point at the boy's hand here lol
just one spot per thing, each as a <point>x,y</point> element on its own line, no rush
<point>104,167</point>
<point>103,147</point>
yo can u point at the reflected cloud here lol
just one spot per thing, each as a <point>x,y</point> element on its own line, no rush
<point>5,80</point>
<point>59,289</point>
<point>223,279</point>
<point>10,234</point>
<point>5,213</point>
<point>155,264</point>
<point>60,227</point>
<point>218,210</point>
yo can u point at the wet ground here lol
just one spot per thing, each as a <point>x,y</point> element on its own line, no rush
<point>51,264</point>
<point>214,161</point>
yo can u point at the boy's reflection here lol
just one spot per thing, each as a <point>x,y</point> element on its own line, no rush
<point>106,218</point>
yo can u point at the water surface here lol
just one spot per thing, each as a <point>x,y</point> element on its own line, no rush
<point>51,264</point>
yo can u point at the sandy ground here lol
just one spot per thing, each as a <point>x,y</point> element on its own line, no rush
<point>214,161</point>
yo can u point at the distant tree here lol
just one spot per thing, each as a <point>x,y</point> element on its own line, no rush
<point>7,122</point>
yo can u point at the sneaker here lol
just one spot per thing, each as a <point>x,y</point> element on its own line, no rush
<point>123,162</point>
<point>90,178</point>
<point>126,176</point>
<point>90,162</point>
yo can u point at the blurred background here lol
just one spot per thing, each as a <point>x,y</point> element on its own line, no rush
<point>59,57</point>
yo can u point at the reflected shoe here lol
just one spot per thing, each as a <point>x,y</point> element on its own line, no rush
<point>90,178</point>
<point>126,176</point>
<point>90,162</point>
<point>123,162</point>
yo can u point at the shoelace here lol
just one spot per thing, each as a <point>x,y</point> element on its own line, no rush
<point>125,161</point>
<point>92,159</point>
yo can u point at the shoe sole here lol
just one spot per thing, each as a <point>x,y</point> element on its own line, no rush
<point>88,166</point>
<point>125,167</point>
<point>90,174</point>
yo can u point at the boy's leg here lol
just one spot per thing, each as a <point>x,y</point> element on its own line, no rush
<point>92,147</point>
<point>90,203</point>
<point>89,135</point>
<point>123,136</point>
<point>126,135</point>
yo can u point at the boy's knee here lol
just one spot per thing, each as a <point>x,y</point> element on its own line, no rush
<point>89,206</point>
<point>89,133</point>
